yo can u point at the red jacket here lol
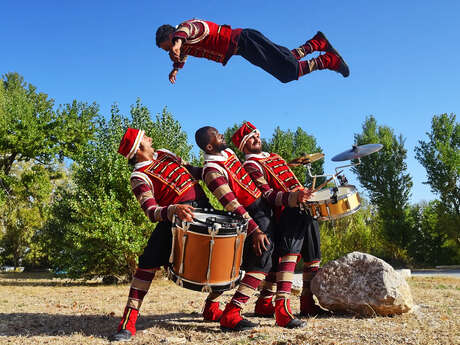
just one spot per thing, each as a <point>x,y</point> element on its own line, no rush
<point>206,39</point>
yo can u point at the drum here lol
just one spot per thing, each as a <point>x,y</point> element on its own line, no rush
<point>206,254</point>
<point>328,205</point>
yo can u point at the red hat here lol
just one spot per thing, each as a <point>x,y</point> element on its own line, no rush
<point>242,135</point>
<point>130,142</point>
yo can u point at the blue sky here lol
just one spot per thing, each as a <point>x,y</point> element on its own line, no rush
<point>403,57</point>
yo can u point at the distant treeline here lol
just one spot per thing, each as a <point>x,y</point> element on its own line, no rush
<point>82,219</point>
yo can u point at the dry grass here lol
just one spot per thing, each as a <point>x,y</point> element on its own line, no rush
<point>37,309</point>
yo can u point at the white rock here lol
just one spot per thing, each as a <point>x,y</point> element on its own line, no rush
<point>363,284</point>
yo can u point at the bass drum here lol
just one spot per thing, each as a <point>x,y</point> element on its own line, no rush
<point>206,254</point>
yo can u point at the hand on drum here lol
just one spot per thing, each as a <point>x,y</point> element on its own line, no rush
<point>184,212</point>
<point>303,195</point>
<point>260,241</point>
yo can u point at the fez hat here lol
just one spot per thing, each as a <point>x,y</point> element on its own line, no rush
<point>241,136</point>
<point>130,142</point>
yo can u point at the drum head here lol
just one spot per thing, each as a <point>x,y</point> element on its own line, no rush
<point>205,220</point>
<point>327,193</point>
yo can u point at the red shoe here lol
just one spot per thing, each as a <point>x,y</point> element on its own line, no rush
<point>128,321</point>
<point>264,307</point>
<point>284,317</point>
<point>319,43</point>
<point>309,308</point>
<point>333,61</point>
<point>211,311</point>
<point>232,320</point>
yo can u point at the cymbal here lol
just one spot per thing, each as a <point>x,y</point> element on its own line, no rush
<point>306,159</point>
<point>357,152</point>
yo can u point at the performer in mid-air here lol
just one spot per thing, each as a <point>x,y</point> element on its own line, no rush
<point>219,43</point>
<point>165,186</point>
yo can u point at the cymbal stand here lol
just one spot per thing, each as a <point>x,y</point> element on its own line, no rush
<point>333,176</point>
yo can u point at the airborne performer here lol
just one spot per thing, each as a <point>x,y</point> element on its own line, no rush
<point>219,43</point>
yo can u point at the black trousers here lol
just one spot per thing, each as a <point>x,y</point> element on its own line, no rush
<point>261,212</point>
<point>272,58</point>
<point>297,232</point>
<point>158,249</point>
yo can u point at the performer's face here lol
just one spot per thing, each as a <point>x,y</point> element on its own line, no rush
<point>253,144</point>
<point>216,141</point>
<point>166,45</point>
<point>146,146</point>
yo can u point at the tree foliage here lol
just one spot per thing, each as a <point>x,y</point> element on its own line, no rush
<point>440,156</point>
<point>384,175</point>
<point>34,137</point>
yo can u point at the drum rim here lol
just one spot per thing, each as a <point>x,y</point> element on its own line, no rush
<point>341,197</point>
<point>342,215</point>
<point>223,231</point>
<point>199,286</point>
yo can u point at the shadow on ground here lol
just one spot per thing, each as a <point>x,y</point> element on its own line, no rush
<point>37,324</point>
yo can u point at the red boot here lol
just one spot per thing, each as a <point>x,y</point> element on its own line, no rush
<point>211,311</point>
<point>232,320</point>
<point>127,326</point>
<point>334,62</point>
<point>309,308</point>
<point>284,317</point>
<point>318,43</point>
<point>264,307</point>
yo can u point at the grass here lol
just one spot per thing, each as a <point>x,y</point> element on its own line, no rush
<point>39,309</point>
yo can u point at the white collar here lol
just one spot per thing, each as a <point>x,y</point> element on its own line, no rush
<point>257,155</point>
<point>142,164</point>
<point>220,158</point>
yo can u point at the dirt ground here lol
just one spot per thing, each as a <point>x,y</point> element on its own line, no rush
<point>40,309</point>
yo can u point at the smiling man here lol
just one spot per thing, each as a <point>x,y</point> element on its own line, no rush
<point>297,233</point>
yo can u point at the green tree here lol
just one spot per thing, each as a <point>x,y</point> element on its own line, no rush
<point>25,213</point>
<point>430,245</point>
<point>34,137</point>
<point>98,228</point>
<point>440,156</point>
<point>30,129</point>
<point>384,175</point>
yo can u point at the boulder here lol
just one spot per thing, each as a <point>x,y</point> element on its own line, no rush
<point>362,284</point>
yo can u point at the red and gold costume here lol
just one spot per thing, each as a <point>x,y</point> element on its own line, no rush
<point>219,43</point>
<point>159,185</point>
<point>206,39</point>
<point>227,179</point>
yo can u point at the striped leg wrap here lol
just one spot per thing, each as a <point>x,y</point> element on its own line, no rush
<point>303,50</point>
<point>214,296</point>
<point>247,287</point>
<point>308,66</point>
<point>269,286</point>
<point>139,287</point>
<point>309,271</point>
<point>285,275</point>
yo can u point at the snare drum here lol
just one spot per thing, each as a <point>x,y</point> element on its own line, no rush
<point>206,254</point>
<point>324,206</point>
